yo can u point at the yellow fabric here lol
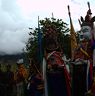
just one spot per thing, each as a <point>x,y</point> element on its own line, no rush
<point>84,52</point>
<point>22,71</point>
<point>73,39</point>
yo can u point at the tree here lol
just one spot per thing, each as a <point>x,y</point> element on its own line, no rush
<point>61,29</point>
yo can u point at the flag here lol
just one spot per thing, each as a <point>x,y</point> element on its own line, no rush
<point>40,52</point>
<point>73,36</point>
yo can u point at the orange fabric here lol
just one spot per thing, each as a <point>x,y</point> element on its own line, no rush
<point>21,72</point>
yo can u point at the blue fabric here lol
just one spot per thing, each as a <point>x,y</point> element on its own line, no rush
<point>40,53</point>
<point>57,84</point>
<point>33,87</point>
<point>38,94</point>
<point>93,45</point>
<point>79,79</point>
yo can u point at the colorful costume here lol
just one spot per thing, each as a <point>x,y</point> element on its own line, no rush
<point>84,57</point>
<point>21,76</point>
<point>57,79</point>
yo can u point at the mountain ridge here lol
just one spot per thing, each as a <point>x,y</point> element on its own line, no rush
<point>12,58</point>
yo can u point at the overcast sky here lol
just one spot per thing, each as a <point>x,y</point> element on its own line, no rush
<point>18,15</point>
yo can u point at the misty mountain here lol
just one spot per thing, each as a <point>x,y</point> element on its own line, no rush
<point>12,59</point>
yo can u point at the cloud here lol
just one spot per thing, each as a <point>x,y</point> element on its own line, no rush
<point>13,42</point>
<point>13,28</point>
<point>18,15</point>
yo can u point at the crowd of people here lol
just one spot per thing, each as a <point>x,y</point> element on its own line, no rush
<point>23,82</point>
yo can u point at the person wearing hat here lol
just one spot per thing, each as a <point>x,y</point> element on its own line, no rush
<point>21,78</point>
<point>35,81</point>
<point>9,80</point>
<point>2,86</point>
